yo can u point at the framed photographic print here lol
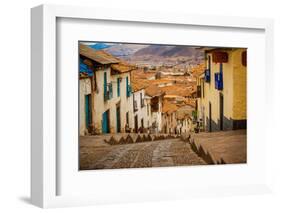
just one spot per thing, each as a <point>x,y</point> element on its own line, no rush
<point>130,106</point>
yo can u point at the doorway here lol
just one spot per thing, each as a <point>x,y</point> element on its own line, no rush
<point>88,114</point>
<point>210,117</point>
<point>136,124</point>
<point>118,124</point>
<point>221,111</point>
<point>105,122</point>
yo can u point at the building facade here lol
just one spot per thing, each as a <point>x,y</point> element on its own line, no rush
<point>85,105</point>
<point>221,90</point>
<point>140,110</point>
<point>154,96</point>
<point>111,99</point>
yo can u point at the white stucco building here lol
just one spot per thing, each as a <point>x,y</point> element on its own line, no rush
<point>111,104</point>
<point>85,104</point>
<point>155,97</point>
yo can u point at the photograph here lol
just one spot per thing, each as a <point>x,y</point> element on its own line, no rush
<point>161,105</point>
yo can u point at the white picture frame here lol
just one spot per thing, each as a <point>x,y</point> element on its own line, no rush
<point>45,172</point>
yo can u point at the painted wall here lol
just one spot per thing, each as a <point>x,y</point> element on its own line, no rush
<point>156,117</point>
<point>239,88</point>
<point>148,118</point>
<point>141,111</point>
<point>85,89</point>
<point>170,123</point>
<point>234,93</point>
<point>184,125</point>
<point>100,106</point>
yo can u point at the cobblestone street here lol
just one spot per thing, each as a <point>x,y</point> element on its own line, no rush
<point>95,154</point>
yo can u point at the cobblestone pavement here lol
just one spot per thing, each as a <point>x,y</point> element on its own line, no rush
<point>160,153</point>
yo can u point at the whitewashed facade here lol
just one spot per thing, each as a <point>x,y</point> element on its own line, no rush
<point>140,110</point>
<point>85,90</point>
<point>109,86</point>
<point>115,101</point>
<point>156,117</point>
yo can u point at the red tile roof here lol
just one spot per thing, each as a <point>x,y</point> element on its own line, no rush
<point>138,84</point>
<point>122,67</point>
<point>169,107</point>
<point>153,91</point>
<point>99,56</point>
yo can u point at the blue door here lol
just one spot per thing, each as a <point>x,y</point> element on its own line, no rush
<point>105,122</point>
<point>88,110</point>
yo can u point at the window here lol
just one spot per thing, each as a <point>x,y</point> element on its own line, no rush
<point>118,87</point>
<point>135,104</point>
<point>208,71</point>
<point>141,100</point>
<point>128,87</point>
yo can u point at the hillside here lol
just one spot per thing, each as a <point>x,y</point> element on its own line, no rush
<point>169,51</point>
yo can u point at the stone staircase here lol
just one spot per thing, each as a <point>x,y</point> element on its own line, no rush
<point>129,138</point>
<point>222,147</point>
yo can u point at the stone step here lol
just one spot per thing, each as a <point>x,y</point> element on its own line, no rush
<point>125,138</point>
<point>221,147</point>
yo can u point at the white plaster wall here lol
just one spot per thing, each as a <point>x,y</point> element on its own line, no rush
<point>211,94</point>
<point>148,119</point>
<point>100,106</point>
<point>142,111</point>
<point>84,89</point>
<point>126,103</point>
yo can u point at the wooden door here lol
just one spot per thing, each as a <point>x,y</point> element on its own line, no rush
<point>136,124</point>
<point>221,111</point>
<point>210,117</point>
<point>88,113</point>
<point>105,122</point>
<point>118,124</point>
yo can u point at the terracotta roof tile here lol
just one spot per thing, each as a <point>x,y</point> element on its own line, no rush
<point>122,67</point>
<point>138,84</point>
<point>198,70</point>
<point>169,107</point>
<point>153,91</point>
<point>99,56</point>
<point>184,112</point>
<point>176,89</point>
<point>139,73</point>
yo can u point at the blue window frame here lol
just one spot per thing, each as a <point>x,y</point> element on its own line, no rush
<point>128,87</point>
<point>208,71</point>
<point>207,75</point>
<point>219,78</point>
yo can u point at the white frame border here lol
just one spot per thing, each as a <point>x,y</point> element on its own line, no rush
<point>43,91</point>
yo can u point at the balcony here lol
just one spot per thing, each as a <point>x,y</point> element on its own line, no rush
<point>207,75</point>
<point>218,81</point>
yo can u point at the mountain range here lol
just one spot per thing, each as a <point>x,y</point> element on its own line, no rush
<point>169,51</point>
<point>133,51</point>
